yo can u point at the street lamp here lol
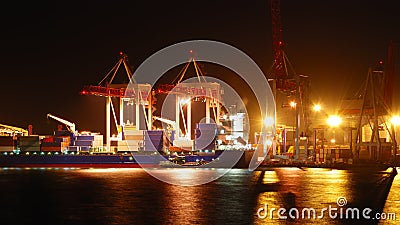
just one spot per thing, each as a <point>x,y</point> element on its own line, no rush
<point>334,120</point>
<point>395,120</point>
<point>293,104</point>
<point>317,107</point>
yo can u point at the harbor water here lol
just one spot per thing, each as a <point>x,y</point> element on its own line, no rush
<point>132,196</point>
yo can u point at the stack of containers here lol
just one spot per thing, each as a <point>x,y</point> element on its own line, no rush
<point>6,143</point>
<point>133,140</point>
<point>55,144</point>
<point>64,133</point>
<point>206,135</point>
<point>29,143</point>
<point>97,141</point>
<point>84,142</point>
<point>154,140</point>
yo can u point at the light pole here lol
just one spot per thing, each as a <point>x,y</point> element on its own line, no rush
<point>316,108</point>
<point>395,122</point>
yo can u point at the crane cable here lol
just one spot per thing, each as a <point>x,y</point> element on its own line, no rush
<point>115,69</point>
<point>183,72</point>
<point>198,71</point>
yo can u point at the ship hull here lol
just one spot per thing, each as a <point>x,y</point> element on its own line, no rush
<point>80,161</point>
<point>228,159</point>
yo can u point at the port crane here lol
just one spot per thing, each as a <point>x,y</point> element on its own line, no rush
<point>138,95</point>
<point>70,126</point>
<point>13,130</point>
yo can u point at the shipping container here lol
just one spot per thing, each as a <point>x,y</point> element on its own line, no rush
<point>30,148</point>
<point>134,137</point>
<point>6,141</point>
<point>206,126</point>
<point>48,139</point>
<point>83,143</point>
<point>6,148</point>
<point>58,133</point>
<point>51,149</point>
<point>84,138</point>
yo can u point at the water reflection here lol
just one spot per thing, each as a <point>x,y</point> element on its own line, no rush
<point>187,176</point>
<point>132,196</point>
<point>315,189</point>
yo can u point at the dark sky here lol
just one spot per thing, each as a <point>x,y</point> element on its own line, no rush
<point>50,50</point>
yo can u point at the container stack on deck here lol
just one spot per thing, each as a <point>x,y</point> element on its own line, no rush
<point>59,142</point>
<point>7,143</point>
<point>133,141</point>
<point>87,142</point>
<point>206,136</point>
<point>154,140</point>
<point>55,144</point>
<point>29,143</point>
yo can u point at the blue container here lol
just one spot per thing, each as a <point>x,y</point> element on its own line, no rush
<point>206,126</point>
<point>83,143</point>
<point>85,148</point>
<point>85,138</point>
<point>73,148</point>
<point>154,132</point>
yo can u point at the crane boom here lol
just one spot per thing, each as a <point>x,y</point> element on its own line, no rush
<point>167,121</point>
<point>70,126</point>
<point>6,128</point>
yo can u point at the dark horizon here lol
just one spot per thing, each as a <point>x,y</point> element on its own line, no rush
<point>50,50</point>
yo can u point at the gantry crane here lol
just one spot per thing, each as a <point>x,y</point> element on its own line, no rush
<point>139,94</point>
<point>13,130</point>
<point>286,80</point>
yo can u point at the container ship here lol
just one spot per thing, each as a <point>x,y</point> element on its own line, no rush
<point>65,150</point>
<point>137,149</point>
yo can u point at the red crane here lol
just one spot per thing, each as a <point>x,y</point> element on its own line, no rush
<point>280,71</point>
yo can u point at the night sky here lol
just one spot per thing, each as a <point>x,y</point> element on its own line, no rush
<point>49,51</point>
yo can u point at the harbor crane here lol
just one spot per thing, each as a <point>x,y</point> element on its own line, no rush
<point>11,129</point>
<point>70,126</point>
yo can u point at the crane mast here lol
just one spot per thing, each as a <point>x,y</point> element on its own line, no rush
<point>70,126</point>
<point>279,70</point>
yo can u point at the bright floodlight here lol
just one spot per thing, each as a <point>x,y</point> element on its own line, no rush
<point>317,108</point>
<point>292,104</point>
<point>269,121</point>
<point>395,120</point>
<point>334,120</point>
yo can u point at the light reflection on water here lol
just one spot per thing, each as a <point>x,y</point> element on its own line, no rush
<point>131,196</point>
